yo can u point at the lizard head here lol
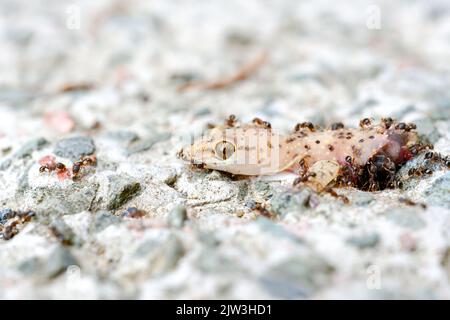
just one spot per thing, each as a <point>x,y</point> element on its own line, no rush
<point>243,150</point>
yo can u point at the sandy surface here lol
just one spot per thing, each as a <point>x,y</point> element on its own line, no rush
<point>107,74</point>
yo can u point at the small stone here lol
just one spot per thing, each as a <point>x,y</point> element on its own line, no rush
<point>171,252</point>
<point>427,130</point>
<point>177,217</point>
<point>6,214</point>
<point>74,148</point>
<point>297,277</point>
<point>22,181</point>
<point>283,289</point>
<point>208,239</point>
<point>28,148</point>
<point>202,112</point>
<point>121,189</point>
<point>58,262</point>
<point>251,204</point>
<point>263,188</point>
<point>161,256</point>
<point>438,193</point>
<point>146,144</point>
<point>5,164</point>
<point>290,201</point>
<point>30,266</point>
<point>270,227</point>
<point>364,241</point>
<point>61,200</point>
<point>408,218</point>
<point>210,261</point>
<point>123,136</point>
<point>25,151</point>
<point>360,198</point>
<point>102,220</point>
<point>15,97</point>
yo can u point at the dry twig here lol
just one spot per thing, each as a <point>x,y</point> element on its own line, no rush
<point>242,74</point>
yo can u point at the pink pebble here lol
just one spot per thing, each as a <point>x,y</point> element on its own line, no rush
<point>61,122</point>
<point>47,160</point>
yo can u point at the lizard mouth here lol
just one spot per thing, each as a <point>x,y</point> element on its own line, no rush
<point>186,156</point>
<point>181,155</point>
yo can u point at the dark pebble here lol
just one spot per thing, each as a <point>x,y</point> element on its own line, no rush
<point>74,148</point>
<point>6,214</point>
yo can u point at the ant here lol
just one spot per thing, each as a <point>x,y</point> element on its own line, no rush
<point>262,123</point>
<point>83,162</point>
<point>48,164</point>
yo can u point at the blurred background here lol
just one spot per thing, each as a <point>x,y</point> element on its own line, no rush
<point>138,78</point>
<point>119,64</point>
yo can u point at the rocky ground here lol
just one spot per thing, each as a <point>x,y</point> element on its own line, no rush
<point>85,77</point>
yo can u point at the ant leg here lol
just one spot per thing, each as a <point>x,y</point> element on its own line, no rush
<point>333,193</point>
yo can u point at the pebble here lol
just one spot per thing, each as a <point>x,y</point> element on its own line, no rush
<point>406,217</point>
<point>251,204</point>
<point>162,255</point>
<point>427,129</point>
<point>74,148</point>
<point>144,145</point>
<point>121,189</point>
<point>123,136</point>
<point>361,198</point>
<point>25,151</point>
<point>263,188</point>
<point>28,148</point>
<point>202,112</point>
<point>6,214</point>
<point>30,266</point>
<point>364,241</point>
<point>102,220</point>
<point>438,193</point>
<point>62,200</point>
<point>270,227</point>
<point>291,200</point>
<point>297,277</point>
<point>314,247</point>
<point>58,262</point>
<point>177,217</point>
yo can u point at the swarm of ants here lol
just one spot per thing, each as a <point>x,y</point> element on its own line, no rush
<point>379,172</point>
<point>49,164</point>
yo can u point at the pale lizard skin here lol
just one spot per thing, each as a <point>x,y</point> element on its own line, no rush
<point>256,149</point>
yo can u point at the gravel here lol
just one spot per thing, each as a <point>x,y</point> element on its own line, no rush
<point>74,148</point>
<point>194,233</point>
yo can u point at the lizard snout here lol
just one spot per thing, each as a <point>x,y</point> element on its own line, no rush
<point>180,154</point>
<point>184,154</point>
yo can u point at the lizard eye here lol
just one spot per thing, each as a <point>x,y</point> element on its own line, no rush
<point>224,150</point>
